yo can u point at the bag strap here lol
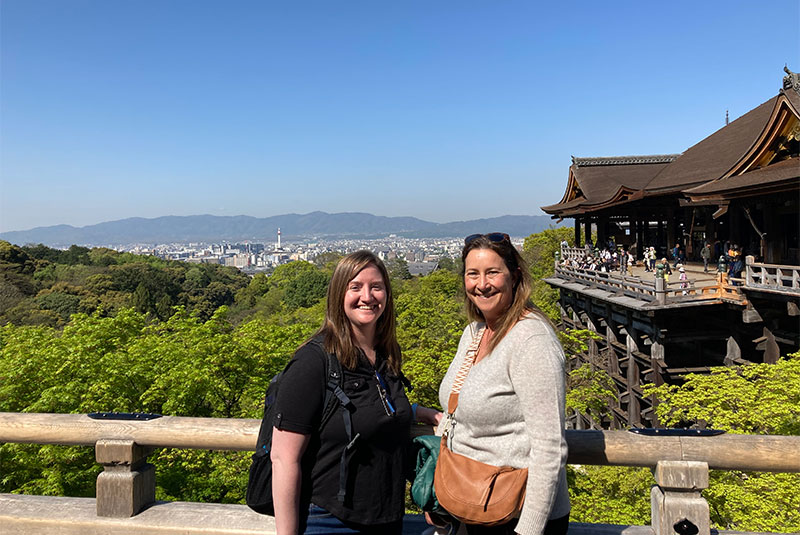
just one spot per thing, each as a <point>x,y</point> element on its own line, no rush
<point>335,397</point>
<point>463,371</point>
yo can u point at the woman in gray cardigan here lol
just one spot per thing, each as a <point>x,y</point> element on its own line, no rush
<point>511,406</point>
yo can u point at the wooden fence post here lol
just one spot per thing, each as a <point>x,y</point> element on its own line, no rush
<point>127,483</point>
<point>676,503</point>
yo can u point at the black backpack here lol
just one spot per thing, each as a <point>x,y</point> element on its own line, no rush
<point>259,484</point>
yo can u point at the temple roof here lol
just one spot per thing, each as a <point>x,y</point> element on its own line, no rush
<point>756,153</point>
<point>600,182</point>
<point>716,154</point>
<point>779,176</point>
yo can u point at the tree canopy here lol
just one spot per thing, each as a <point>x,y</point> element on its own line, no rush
<point>88,330</point>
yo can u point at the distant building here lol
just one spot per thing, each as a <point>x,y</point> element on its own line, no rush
<point>422,268</point>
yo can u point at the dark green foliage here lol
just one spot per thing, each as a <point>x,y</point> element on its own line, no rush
<point>43,286</point>
<point>398,269</point>
<point>61,303</point>
<point>539,251</point>
<point>448,264</point>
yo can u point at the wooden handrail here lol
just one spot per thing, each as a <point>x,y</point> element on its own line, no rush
<point>775,277</point>
<point>767,453</point>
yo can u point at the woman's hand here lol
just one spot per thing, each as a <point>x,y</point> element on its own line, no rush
<point>426,415</point>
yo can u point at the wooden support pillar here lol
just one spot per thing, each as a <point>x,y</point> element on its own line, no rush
<point>661,294</point>
<point>675,501</point>
<point>632,380</point>
<point>577,232</point>
<point>593,352</point>
<point>587,230</point>
<point>127,483</point>
<point>640,233</point>
<point>672,230</point>
<point>612,368</point>
<point>660,238</point>
<point>657,364</point>
<point>631,231</point>
<point>613,361</point>
<point>602,231</point>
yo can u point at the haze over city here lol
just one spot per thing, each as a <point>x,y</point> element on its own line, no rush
<point>144,109</point>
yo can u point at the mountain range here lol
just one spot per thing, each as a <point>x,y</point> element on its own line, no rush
<point>210,228</point>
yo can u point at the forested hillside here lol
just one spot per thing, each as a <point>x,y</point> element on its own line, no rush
<point>94,330</point>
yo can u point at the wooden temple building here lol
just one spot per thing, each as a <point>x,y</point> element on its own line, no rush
<point>740,185</point>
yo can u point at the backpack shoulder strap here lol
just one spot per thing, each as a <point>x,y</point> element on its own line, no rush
<point>406,382</point>
<point>335,398</point>
<point>334,379</point>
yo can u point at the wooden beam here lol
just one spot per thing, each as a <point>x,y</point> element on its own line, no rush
<point>768,453</point>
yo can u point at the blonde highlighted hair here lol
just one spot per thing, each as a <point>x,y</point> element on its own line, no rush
<point>521,303</point>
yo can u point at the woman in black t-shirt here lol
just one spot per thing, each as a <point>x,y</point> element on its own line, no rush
<point>359,328</point>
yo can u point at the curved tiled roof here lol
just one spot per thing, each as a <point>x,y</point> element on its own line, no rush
<point>777,176</point>
<point>605,181</point>
<point>715,155</point>
<point>703,170</point>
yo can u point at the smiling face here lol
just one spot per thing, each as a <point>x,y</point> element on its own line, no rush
<point>365,299</point>
<point>488,283</point>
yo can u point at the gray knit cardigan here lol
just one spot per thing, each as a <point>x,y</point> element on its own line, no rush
<point>511,413</point>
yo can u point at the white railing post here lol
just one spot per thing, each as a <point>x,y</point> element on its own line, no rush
<point>676,503</point>
<point>127,483</point>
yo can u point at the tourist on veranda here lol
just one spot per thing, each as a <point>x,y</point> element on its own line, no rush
<point>359,328</point>
<point>735,263</point>
<point>682,278</point>
<point>511,406</point>
<point>705,254</point>
<point>667,269</point>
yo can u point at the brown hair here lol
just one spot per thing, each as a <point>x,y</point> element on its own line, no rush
<point>336,330</point>
<point>521,290</point>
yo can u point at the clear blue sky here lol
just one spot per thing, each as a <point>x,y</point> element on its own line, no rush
<point>440,110</point>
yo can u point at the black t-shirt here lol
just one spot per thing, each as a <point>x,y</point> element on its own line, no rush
<point>376,483</point>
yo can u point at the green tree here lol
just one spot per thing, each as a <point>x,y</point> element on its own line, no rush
<point>327,261</point>
<point>448,264</point>
<point>430,320</point>
<point>539,251</point>
<point>610,494</point>
<point>752,399</point>
<point>590,392</point>
<point>398,269</point>
<point>307,288</point>
<point>141,299</point>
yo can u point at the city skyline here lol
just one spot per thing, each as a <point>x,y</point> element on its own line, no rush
<point>148,109</point>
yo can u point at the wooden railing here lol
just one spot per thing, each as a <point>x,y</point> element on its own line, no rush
<point>127,484</point>
<point>774,277</point>
<point>652,290</point>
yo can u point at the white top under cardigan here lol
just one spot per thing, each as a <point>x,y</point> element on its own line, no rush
<point>511,413</point>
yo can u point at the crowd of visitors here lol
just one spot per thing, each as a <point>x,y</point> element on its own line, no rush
<point>611,257</point>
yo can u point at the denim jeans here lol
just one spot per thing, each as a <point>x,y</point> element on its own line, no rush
<point>321,522</point>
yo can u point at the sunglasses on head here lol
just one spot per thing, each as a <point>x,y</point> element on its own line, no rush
<point>495,237</point>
